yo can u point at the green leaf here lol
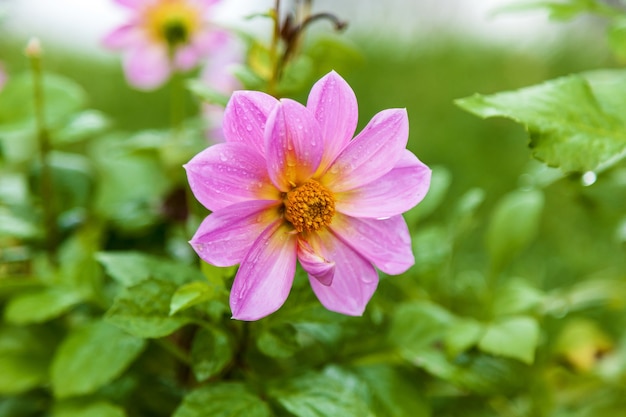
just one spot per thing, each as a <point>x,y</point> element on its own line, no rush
<point>82,126</point>
<point>40,306</point>
<point>568,126</point>
<point>222,400</point>
<point>462,334</point>
<point>207,93</point>
<point>91,357</point>
<point>191,294</point>
<point>320,395</point>
<point>130,268</point>
<point>517,297</point>
<point>514,223</point>
<point>24,358</point>
<point>561,10</point>
<point>440,181</point>
<point>512,337</point>
<point>417,325</point>
<point>211,352</point>
<point>278,341</point>
<point>86,408</point>
<point>393,394</point>
<point>17,225</point>
<point>143,310</point>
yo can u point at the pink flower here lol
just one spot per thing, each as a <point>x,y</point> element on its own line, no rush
<point>291,184</point>
<point>162,36</point>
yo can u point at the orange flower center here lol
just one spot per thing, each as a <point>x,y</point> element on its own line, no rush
<point>172,21</point>
<point>309,207</point>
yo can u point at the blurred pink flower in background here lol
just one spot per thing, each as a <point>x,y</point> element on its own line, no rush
<point>290,184</point>
<point>218,74</point>
<point>162,36</point>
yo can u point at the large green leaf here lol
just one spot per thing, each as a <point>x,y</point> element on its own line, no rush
<point>40,306</point>
<point>144,309</point>
<point>322,394</point>
<point>569,125</point>
<point>222,400</point>
<point>191,294</point>
<point>278,341</point>
<point>513,337</point>
<point>91,357</point>
<point>86,408</point>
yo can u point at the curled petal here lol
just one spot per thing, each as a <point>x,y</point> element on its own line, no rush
<point>293,144</point>
<point>385,243</point>
<point>394,193</point>
<point>226,235</point>
<point>228,173</point>
<point>371,154</point>
<point>265,275</point>
<point>354,281</point>
<point>334,106</point>
<point>147,67</point>
<point>245,117</point>
<point>314,264</point>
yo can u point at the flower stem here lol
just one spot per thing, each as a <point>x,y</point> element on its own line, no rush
<point>33,52</point>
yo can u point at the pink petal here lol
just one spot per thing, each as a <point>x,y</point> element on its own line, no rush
<point>385,243</point>
<point>186,58</point>
<point>245,117</point>
<point>228,173</point>
<point>314,264</point>
<point>123,37</point>
<point>394,193</point>
<point>371,154</point>
<point>147,67</point>
<point>334,106</point>
<point>226,235</point>
<point>131,4</point>
<point>355,279</point>
<point>293,144</point>
<point>264,279</point>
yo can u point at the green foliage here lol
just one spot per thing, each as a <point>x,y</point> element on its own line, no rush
<point>514,307</point>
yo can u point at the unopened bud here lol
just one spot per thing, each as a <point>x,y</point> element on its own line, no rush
<point>33,48</point>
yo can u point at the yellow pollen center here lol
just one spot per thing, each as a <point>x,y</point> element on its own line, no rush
<point>309,207</point>
<point>172,21</point>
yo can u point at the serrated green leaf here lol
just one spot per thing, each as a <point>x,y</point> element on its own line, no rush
<point>512,337</point>
<point>143,310</point>
<point>568,126</point>
<point>321,395</point>
<point>191,294</point>
<point>392,393</point>
<point>91,357</point>
<point>86,408</point>
<point>278,341</point>
<point>222,400</point>
<point>211,351</point>
<point>40,306</point>
<point>513,225</point>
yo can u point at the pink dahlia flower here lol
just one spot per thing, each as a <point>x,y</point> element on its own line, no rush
<point>162,36</point>
<point>290,184</point>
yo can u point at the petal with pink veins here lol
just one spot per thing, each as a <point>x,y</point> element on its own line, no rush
<point>225,236</point>
<point>245,117</point>
<point>265,275</point>
<point>228,173</point>
<point>315,264</point>
<point>385,243</point>
<point>147,67</point>
<point>334,105</point>
<point>394,193</point>
<point>293,144</point>
<point>354,281</point>
<point>371,154</point>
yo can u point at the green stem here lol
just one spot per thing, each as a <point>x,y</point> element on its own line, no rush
<point>177,104</point>
<point>33,51</point>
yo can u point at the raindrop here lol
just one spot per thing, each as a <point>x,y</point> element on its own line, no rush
<point>249,127</point>
<point>588,178</point>
<point>223,157</point>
